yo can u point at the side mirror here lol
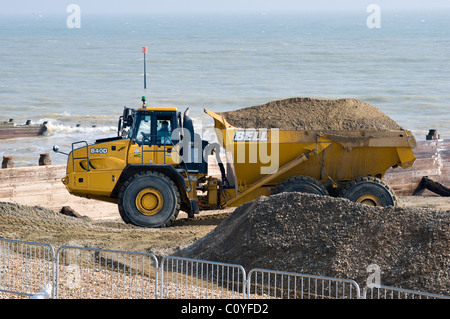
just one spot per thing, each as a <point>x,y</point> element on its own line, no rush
<point>56,150</point>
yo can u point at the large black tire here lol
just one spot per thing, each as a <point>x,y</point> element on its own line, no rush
<point>303,184</point>
<point>149,199</point>
<point>370,191</point>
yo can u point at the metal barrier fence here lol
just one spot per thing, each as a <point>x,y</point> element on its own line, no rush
<point>385,292</point>
<point>99,273</point>
<point>25,267</point>
<point>191,278</point>
<point>80,272</point>
<point>264,283</point>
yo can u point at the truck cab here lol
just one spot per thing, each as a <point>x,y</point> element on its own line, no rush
<point>159,135</point>
<point>151,137</point>
<point>152,154</point>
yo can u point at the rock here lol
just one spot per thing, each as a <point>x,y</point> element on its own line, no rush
<point>66,210</point>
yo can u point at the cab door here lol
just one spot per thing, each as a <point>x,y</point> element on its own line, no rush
<point>141,151</point>
<point>165,123</point>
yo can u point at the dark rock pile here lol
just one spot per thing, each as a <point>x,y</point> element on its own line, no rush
<point>335,237</point>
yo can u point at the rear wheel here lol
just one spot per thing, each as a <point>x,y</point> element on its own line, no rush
<point>149,199</point>
<point>370,191</point>
<point>303,184</point>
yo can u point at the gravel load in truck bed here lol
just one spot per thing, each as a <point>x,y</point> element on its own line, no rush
<point>334,237</point>
<point>312,114</point>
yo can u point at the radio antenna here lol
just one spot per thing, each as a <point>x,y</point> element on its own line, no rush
<point>144,50</point>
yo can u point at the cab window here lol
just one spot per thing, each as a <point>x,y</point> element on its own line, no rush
<point>163,129</point>
<point>143,134</point>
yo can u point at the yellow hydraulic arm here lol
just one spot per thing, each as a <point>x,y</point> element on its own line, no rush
<point>320,147</point>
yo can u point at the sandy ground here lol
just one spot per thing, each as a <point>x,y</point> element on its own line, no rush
<point>433,202</point>
<point>45,226</point>
<point>37,224</point>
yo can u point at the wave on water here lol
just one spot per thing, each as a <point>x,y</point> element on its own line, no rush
<point>54,128</point>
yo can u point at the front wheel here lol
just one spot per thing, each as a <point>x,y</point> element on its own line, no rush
<point>369,191</point>
<point>149,199</point>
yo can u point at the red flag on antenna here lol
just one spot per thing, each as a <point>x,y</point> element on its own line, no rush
<point>144,49</point>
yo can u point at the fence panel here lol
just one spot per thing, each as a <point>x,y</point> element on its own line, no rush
<point>264,283</point>
<point>199,279</point>
<point>89,273</point>
<point>386,292</point>
<point>25,268</point>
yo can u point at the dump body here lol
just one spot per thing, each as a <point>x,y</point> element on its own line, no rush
<point>266,157</point>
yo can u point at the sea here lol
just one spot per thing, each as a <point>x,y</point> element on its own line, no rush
<point>79,79</point>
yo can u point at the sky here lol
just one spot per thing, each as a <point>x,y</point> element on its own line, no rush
<point>192,6</point>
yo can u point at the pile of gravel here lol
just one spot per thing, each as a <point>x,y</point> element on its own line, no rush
<point>11,213</point>
<point>312,114</point>
<point>334,237</point>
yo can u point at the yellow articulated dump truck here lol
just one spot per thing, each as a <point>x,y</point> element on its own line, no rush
<point>157,165</point>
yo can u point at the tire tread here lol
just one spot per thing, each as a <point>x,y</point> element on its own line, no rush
<point>122,212</point>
